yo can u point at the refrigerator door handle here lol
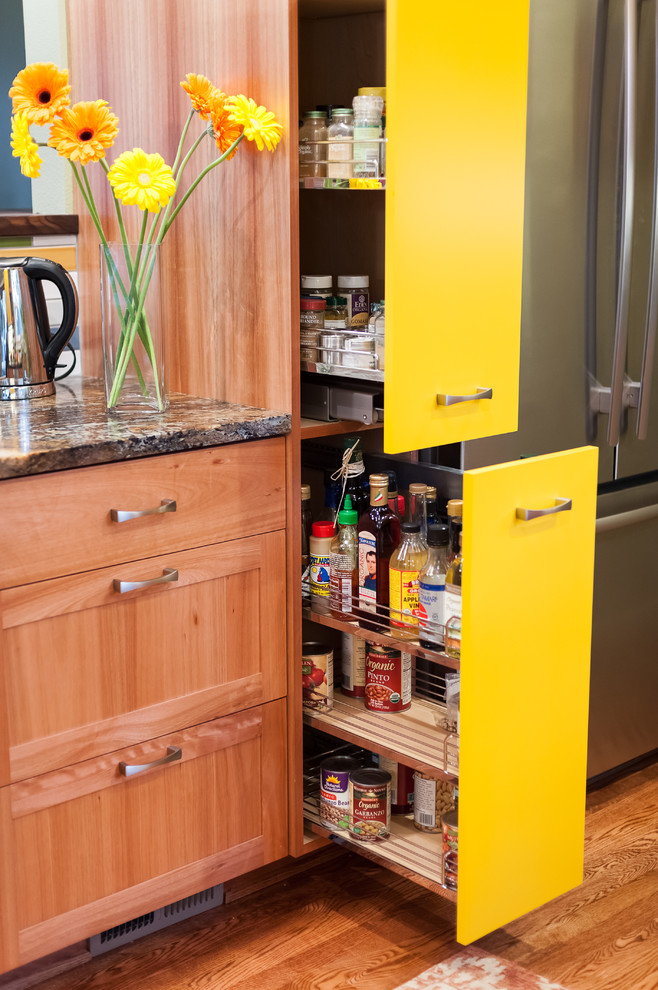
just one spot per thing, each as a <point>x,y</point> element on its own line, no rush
<point>646,377</point>
<point>628,182</point>
<point>561,505</point>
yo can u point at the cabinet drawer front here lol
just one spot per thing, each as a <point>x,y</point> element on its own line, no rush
<point>66,519</point>
<point>457,74</point>
<point>527,600</point>
<point>88,669</point>
<point>91,848</point>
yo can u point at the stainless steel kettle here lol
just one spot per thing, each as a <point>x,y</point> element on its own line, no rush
<point>28,350</point>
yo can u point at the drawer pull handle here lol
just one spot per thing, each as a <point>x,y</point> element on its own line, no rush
<point>130,769</point>
<point>168,574</point>
<point>122,515</point>
<point>452,400</point>
<point>561,505</point>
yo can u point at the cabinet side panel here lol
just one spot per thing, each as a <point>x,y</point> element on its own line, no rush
<point>527,598</point>
<point>456,113</point>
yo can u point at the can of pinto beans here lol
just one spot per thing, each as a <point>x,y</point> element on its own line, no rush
<point>388,679</point>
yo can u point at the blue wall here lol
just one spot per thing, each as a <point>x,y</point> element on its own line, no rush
<point>15,189</point>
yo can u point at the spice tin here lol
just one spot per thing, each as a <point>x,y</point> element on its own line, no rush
<point>388,679</point>
<point>333,343</point>
<point>353,667</point>
<point>370,804</point>
<point>450,837</point>
<point>402,786</point>
<point>317,676</point>
<point>358,351</point>
<point>335,791</point>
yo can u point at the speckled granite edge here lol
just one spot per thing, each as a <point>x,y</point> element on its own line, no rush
<point>73,429</point>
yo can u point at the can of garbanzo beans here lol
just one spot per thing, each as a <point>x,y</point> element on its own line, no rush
<point>370,804</point>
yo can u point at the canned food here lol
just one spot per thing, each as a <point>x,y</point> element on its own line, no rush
<point>370,804</point>
<point>402,785</point>
<point>450,831</point>
<point>317,676</point>
<point>388,679</point>
<point>432,799</point>
<point>335,791</point>
<point>353,667</point>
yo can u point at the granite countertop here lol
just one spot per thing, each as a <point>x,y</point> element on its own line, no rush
<point>73,428</point>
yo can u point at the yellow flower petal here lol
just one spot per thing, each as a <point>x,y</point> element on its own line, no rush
<point>142,180</point>
<point>24,147</point>
<point>259,124</point>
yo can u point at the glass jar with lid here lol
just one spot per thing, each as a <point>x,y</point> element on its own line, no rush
<point>335,316</point>
<point>367,135</point>
<point>339,150</point>
<point>312,155</point>
<point>356,289</point>
<point>317,285</point>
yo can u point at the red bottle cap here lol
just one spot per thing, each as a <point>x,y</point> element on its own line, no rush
<point>306,304</point>
<point>323,528</point>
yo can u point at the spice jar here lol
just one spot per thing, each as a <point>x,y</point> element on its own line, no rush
<point>340,147</point>
<point>317,285</point>
<point>311,313</point>
<point>367,135</point>
<point>356,290</point>
<point>335,316</point>
<point>312,154</point>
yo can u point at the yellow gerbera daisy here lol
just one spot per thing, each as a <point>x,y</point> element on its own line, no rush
<point>225,130</point>
<point>40,91</point>
<point>260,125</point>
<point>84,131</point>
<point>142,180</point>
<point>24,147</point>
<point>202,93</point>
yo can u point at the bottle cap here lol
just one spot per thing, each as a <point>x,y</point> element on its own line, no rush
<point>341,112</point>
<point>315,113</point>
<point>333,301</point>
<point>410,527</point>
<point>431,492</point>
<point>372,91</point>
<point>316,281</point>
<point>417,488</point>
<point>347,515</point>
<point>438,535</point>
<point>306,303</point>
<point>306,492</point>
<point>323,528</point>
<point>455,507</point>
<point>353,281</point>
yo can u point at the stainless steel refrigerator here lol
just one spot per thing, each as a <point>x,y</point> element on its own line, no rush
<point>589,314</point>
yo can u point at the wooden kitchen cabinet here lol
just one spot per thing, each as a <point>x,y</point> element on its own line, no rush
<point>103,666</point>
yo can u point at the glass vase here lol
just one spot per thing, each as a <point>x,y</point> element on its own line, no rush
<point>133,341</point>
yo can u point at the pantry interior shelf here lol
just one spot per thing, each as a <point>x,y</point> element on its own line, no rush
<point>342,371</point>
<point>380,638</point>
<point>415,737</point>
<point>319,182</point>
<point>407,851</point>
<point>313,428</point>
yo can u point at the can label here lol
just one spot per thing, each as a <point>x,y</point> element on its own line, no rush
<point>335,798</point>
<point>388,680</point>
<point>431,611</point>
<point>317,680</point>
<point>354,666</point>
<point>340,582</point>
<point>404,599</point>
<point>370,809</point>
<point>450,843</point>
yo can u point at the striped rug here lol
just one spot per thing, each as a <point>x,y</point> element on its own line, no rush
<point>473,969</point>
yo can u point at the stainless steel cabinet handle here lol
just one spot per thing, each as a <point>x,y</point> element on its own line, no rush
<point>130,769</point>
<point>628,183</point>
<point>451,400</point>
<point>561,505</point>
<point>168,574</point>
<point>122,515</point>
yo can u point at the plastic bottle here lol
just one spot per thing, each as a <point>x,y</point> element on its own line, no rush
<point>403,582</point>
<point>344,563</point>
<point>367,135</point>
<point>432,589</point>
<point>306,527</point>
<point>453,633</point>
<point>322,535</point>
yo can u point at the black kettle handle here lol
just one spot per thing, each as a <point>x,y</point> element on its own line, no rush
<point>43,268</point>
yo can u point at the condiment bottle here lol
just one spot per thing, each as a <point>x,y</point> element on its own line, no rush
<point>432,590</point>
<point>343,563</point>
<point>378,91</point>
<point>417,492</point>
<point>367,135</point>
<point>317,285</point>
<point>355,471</point>
<point>453,600</point>
<point>312,154</point>
<point>322,534</point>
<point>404,569</point>
<point>393,496</point>
<point>306,527</point>
<point>379,536</point>
<point>455,509</point>
<point>431,506</point>
<point>339,150</point>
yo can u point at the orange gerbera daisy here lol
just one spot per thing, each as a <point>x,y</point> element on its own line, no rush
<point>202,93</point>
<point>225,130</point>
<point>84,132</point>
<point>40,91</point>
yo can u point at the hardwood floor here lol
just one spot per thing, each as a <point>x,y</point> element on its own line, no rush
<point>342,922</point>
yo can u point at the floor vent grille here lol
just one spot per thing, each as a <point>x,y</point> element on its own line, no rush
<point>171,914</point>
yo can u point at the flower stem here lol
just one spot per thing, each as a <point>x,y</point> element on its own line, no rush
<point>179,150</point>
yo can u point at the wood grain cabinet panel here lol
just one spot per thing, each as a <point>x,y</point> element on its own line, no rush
<point>221,493</point>
<point>88,670</point>
<point>89,847</point>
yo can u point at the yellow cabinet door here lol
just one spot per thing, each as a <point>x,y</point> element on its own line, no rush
<point>527,605</point>
<point>456,112</point>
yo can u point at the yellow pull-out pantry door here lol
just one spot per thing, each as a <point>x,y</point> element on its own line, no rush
<point>527,600</point>
<point>456,112</point>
